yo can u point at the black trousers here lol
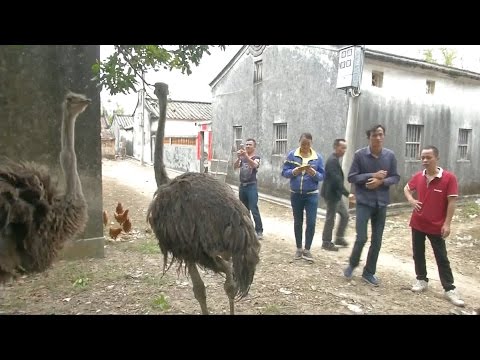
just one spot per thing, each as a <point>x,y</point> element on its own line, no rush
<point>440,252</point>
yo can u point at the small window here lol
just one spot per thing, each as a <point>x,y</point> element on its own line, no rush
<point>280,147</point>
<point>257,74</point>
<point>430,86</point>
<point>237,136</point>
<point>377,79</point>
<point>464,139</point>
<point>413,142</point>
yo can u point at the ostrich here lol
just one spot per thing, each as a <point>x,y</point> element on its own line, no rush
<point>199,221</point>
<point>35,218</point>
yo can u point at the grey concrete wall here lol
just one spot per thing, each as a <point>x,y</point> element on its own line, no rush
<point>181,158</point>
<point>33,82</point>
<point>298,88</point>
<point>441,123</point>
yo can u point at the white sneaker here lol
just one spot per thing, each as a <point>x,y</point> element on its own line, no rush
<point>454,298</point>
<point>419,286</point>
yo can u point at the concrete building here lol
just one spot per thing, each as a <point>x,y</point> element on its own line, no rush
<point>182,133</point>
<point>274,93</point>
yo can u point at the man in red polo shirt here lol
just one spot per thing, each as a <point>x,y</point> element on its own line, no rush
<point>437,192</point>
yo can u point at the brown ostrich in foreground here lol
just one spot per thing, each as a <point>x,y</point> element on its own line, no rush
<point>35,219</point>
<point>199,221</point>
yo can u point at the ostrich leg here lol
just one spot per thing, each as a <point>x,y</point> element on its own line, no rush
<point>198,287</point>
<point>229,285</point>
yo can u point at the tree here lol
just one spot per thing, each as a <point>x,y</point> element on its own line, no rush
<point>428,56</point>
<point>448,56</point>
<point>122,71</point>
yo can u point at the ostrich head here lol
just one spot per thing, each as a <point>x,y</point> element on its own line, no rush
<point>75,104</point>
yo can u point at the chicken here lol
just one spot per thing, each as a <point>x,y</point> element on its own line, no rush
<point>127,225</point>
<point>121,217</point>
<point>119,208</point>
<point>114,232</point>
<point>105,218</point>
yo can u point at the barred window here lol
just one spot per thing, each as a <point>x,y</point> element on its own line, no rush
<point>413,142</point>
<point>280,146</point>
<point>237,136</point>
<point>464,137</point>
<point>180,140</point>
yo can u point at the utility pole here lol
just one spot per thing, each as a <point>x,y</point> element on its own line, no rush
<point>352,120</point>
<point>142,125</point>
<point>350,79</point>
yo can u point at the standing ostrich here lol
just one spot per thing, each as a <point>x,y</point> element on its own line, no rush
<point>35,219</point>
<point>199,220</point>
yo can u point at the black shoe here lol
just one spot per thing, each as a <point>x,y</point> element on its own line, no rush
<point>341,242</point>
<point>329,246</point>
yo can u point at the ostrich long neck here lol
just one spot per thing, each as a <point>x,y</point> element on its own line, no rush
<point>68,158</point>
<point>161,177</point>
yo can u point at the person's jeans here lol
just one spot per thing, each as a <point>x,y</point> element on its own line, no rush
<point>309,203</point>
<point>249,197</point>
<point>377,216</point>
<point>334,207</point>
<point>440,252</point>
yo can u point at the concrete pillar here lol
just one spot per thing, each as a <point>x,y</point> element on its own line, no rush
<point>350,136</point>
<point>33,82</point>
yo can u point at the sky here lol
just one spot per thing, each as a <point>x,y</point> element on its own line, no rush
<point>195,87</point>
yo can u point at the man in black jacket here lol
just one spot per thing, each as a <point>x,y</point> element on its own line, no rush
<point>332,190</point>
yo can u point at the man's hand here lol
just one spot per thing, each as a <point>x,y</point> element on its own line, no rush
<point>373,183</point>
<point>417,205</point>
<point>445,231</point>
<point>311,171</point>
<point>241,153</point>
<point>351,198</point>
<point>380,174</point>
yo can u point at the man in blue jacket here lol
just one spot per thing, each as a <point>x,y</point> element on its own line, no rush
<point>304,167</point>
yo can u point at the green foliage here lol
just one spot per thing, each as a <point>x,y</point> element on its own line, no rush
<point>448,56</point>
<point>471,209</point>
<point>428,56</point>
<point>81,281</point>
<point>161,302</point>
<point>121,71</point>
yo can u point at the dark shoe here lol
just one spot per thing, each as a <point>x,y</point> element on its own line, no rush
<point>348,272</point>
<point>341,242</point>
<point>370,279</point>
<point>329,246</point>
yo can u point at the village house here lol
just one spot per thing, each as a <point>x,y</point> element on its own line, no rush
<point>274,93</point>
<point>122,129</point>
<point>183,132</point>
<point>107,139</point>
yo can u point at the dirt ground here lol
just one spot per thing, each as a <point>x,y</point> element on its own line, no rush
<point>129,279</point>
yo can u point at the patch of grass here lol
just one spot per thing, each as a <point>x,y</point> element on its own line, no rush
<point>272,310</point>
<point>161,302</point>
<point>81,281</point>
<point>471,208</point>
<point>155,280</point>
<point>147,248</point>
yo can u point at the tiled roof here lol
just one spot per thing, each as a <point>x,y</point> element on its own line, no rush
<point>123,121</point>
<point>183,110</point>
